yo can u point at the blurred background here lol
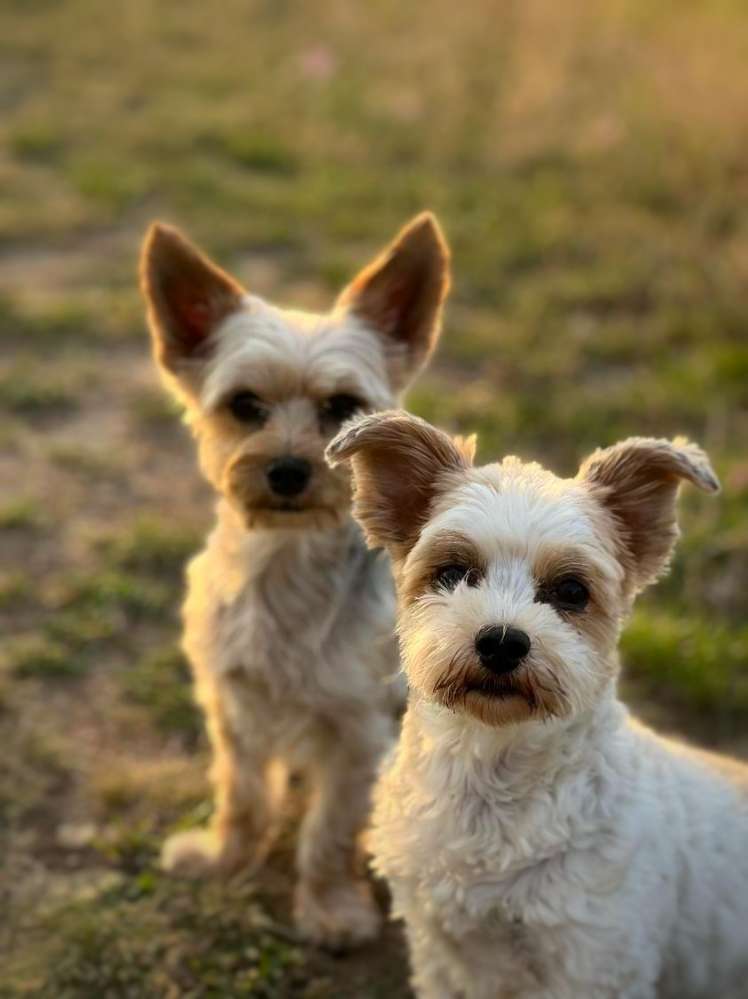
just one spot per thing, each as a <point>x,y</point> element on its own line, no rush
<point>589,162</point>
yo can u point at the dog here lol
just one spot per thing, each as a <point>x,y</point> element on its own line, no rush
<point>289,619</point>
<point>538,842</point>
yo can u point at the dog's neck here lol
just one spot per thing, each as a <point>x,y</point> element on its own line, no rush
<point>517,758</point>
<point>321,552</point>
<point>231,526</point>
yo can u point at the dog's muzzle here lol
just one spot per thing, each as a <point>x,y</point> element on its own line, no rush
<point>288,476</point>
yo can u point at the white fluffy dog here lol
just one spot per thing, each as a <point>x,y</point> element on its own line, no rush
<point>538,842</point>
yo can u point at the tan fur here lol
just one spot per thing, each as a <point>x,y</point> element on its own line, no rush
<point>400,463</point>
<point>447,547</point>
<point>289,621</point>
<point>326,501</point>
<point>401,294</point>
<point>602,616</point>
<point>187,295</point>
<point>638,480</point>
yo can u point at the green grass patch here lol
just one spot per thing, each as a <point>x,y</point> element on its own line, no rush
<point>698,662</point>
<point>95,464</point>
<point>111,592</point>
<point>16,589</point>
<point>151,546</point>
<point>261,152</point>
<point>160,682</point>
<point>21,514</point>
<point>111,185</point>
<point>37,142</point>
<point>155,410</point>
<point>32,394</point>
<point>133,849</point>
<point>43,657</point>
<point>89,616</point>
<point>103,315</point>
<point>144,935</point>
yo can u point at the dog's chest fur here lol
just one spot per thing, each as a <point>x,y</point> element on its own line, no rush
<point>296,618</point>
<point>540,860</point>
<point>483,848</point>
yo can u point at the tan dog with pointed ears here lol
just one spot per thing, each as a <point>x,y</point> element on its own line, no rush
<point>289,620</point>
<point>539,844</point>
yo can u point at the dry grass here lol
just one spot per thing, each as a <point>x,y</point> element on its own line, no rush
<point>588,162</point>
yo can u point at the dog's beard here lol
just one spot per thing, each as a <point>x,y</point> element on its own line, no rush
<point>532,690</point>
<point>292,518</point>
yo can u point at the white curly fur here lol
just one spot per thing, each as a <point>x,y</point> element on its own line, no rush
<point>566,852</point>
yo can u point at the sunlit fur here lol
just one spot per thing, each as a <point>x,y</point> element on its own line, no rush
<point>538,842</point>
<point>289,620</point>
<point>293,362</point>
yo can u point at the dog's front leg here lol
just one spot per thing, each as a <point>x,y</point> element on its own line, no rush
<point>432,955</point>
<point>334,905</point>
<point>249,785</point>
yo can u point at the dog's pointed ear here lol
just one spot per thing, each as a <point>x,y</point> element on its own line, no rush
<point>637,481</point>
<point>400,295</point>
<point>400,463</point>
<point>187,295</point>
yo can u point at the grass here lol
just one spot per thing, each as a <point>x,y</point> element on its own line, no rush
<point>39,656</point>
<point>154,411</point>
<point>111,590</point>
<point>15,589</point>
<point>32,395</point>
<point>587,162</point>
<point>90,617</point>
<point>700,663</point>
<point>86,462</point>
<point>160,682</point>
<point>180,940</point>
<point>48,324</point>
<point>21,514</point>
<point>151,545</point>
<point>102,614</point>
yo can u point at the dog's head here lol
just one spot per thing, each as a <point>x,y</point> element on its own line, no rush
<point>513,583</point>
<point>266,388</point>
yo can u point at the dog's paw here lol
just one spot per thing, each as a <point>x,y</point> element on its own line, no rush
<point>196,853</point>
<point>339,917</point>
<point>202,853</point>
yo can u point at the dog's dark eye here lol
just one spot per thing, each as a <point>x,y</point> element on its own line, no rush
<point>246,408</point>
<point>339,408</point>
<point>450,576</point>
<point>569,594</point>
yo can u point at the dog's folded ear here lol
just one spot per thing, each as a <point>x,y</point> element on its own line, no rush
<point>400,463</point>
<point>400,295</point>
<point>637,481</point>
<point>187,295</point>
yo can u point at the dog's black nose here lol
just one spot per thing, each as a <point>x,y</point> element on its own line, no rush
<point>288,476</point>
<point>501,649</point>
